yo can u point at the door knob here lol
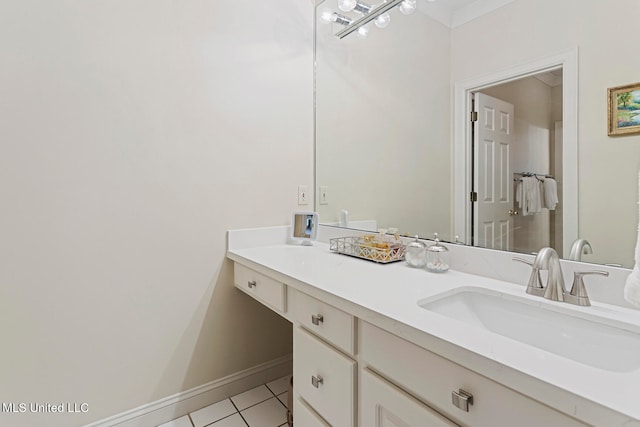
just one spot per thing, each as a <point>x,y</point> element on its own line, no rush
<point>513,212</point>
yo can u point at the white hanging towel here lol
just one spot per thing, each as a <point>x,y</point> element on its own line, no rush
<point>550,190</point>
<point>632,287</point>
<point>529,195</point>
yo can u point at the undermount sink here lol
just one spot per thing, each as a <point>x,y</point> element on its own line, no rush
<point>574,334</point>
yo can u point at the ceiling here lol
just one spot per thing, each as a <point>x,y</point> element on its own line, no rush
<point>453,13</point>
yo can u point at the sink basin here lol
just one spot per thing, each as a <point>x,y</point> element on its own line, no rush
<point>592,340</point>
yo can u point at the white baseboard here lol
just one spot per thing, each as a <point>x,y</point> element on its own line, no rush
<point>172,407</point>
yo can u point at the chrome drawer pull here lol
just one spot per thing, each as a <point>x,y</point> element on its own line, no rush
<point>316,319</point>
<point>252,283</point>
<point>316,381</point>
<point>461,399</point>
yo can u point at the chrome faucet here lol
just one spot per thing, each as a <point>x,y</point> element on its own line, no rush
<point>580,247</point>
<point>534,287</point>
<point>548,259</point>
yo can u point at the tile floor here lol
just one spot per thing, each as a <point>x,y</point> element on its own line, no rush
<point>263,406</point>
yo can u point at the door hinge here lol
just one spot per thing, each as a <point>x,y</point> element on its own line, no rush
<point>474,116</point>
<point>474,196</point>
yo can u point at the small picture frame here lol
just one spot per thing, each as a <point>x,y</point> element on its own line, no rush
<point>304,227</point>
<point>624,110</point>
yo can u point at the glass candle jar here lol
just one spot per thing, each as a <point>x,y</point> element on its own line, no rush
<point>415,253</point>
<point>437,257</point>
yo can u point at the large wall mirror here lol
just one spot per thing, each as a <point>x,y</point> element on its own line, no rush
<point>392,151</point>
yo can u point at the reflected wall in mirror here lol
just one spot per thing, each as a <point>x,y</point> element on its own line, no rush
<point>385,148</point>
<point>383,111</point>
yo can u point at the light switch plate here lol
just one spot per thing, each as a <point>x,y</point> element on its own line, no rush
<point>303,195</point>
<point>324,195</point>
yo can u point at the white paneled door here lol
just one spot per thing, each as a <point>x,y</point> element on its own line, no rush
<point>493,180</point>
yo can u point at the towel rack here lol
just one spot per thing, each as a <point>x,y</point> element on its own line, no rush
<point>536,175</point>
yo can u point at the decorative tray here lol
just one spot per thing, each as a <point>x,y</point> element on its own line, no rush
<point>368,248</point>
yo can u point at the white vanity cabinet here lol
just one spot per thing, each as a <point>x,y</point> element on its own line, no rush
<point>263,288</point>
<point>383,404</point>
<point>324,368</point>
<point>350,373</point>
<point>306,416</point>
<point>327,322</point>
<point>441,384</point>
<point>324,378</point>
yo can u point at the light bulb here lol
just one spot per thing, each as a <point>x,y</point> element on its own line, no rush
<point>362,32</point>
<point>347,5</point>
<point>326,16</point>
<point>383,20</point>
<point>407,7</point>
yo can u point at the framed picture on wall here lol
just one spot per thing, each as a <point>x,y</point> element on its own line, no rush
<point>624,109</point>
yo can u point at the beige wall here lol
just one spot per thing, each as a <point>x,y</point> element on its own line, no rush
<point>133,135</point>
<point>527,30</point>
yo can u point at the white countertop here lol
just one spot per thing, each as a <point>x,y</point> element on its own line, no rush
<point>387,296</point>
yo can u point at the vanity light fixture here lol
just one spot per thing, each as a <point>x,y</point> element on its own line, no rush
<point>362,32</point>
<point>383,20</point>
<point>378,14</point>
<point>355,5</point>
<point>327,17</point>
<point>407,7</point>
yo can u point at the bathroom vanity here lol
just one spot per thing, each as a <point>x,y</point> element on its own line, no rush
<point>372,348</point>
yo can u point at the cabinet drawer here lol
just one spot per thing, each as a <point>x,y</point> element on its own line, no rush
<point>383,404</point>
<point>325,378</point>
<point>305,416</point>
<point>433,379</point>
<point>328,322</point>
<point>261,287</point>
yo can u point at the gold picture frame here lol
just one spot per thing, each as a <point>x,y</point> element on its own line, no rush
<point>624,110</point>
